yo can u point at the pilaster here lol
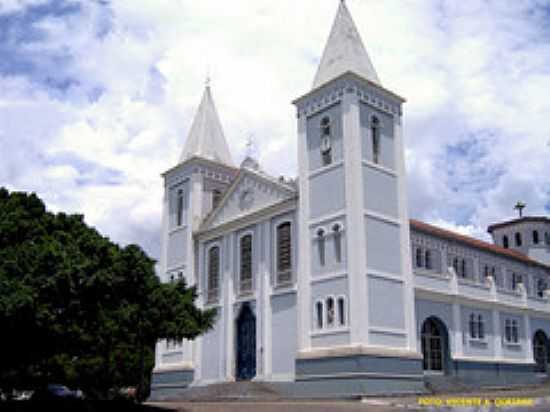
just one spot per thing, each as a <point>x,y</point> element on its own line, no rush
<point>354,186</point>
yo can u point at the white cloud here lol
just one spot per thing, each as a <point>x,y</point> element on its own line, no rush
<point>471,71</point>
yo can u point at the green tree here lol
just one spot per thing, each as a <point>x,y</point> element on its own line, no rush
<point>79,309</point>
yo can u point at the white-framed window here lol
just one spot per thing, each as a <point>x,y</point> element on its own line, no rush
<point>321,240</point>
<point>428,261</point>
<point>284,252</point>
<point>516,280</point>
<point>477,326</point>
<point>213,271</point>
<point>319,315</point>
<point>542,285</point>
<point>245,263</point>
<point>536,237</point>
<point>505,242</point>
<point>342,311</point>
<point>331,311</point>
<point>375,136</point>
<point>179,207</point>
<point>337,233</point>
<point>518,239</point>
<point>172,344</point>
<point>326,141</point>
<point>419,261</point>
<point>511,331</point>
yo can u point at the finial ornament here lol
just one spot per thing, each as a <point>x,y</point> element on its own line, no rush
<point>249,145</point>
<point>519,207</point>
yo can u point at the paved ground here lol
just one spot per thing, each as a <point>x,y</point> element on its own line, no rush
<point>534,400</point>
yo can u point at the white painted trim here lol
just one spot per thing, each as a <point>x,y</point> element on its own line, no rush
<point>378,167</point>
<point>385,275</point>
<point>325,169</point>
<point>340,215</point>
<point>330,331</point>
<point>328,277</point>
<point>217,243</point>
<point>178,228</point>
<point>382,217</point>
<point>388,331</point>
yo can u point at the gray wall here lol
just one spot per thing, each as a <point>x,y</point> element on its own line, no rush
<point>284,339</point>
<point>386,135</point>
<point>314,136</point>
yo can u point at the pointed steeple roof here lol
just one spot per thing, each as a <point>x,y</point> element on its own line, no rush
<point>344,52</point>
<point>206,138</point>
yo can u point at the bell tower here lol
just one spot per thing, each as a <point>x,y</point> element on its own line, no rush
<point>356,292</point>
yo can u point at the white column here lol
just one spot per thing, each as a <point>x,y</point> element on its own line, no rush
<point>405,235</point>
<point>355,221</point>
<point>457,329</point>
<point>497,334</point>
<point>229,311</point>
<point>266,298</point>
<point>197,343</point>
<point>304,305</point>
<point>528,339</point>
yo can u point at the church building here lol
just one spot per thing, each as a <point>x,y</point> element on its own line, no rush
<point>322,284</point>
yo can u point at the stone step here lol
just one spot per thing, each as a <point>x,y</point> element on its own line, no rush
<point>230,391</point>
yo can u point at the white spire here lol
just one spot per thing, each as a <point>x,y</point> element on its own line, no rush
<point>344,52</point>
<point>206,138</point>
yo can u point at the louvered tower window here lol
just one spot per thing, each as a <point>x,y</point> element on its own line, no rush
<point>213,273</point>
<point>284,253</point>
<point>246,264</point>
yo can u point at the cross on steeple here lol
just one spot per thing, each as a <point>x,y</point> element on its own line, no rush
<point>519,207</point>
<point>249,145</point>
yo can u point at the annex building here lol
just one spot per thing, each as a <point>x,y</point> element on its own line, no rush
<point>322,283</point>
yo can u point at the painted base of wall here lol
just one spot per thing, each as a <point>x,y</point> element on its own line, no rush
<point>493,373</point>
<point>166,383</point>
<point>358,375</point>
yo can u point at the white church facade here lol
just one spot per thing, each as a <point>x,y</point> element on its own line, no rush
<point>322,282</point>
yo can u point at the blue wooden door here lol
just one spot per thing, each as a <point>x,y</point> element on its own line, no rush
<point>246,344</point>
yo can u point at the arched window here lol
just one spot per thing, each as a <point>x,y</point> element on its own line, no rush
<point>455,264</point>
<point>486,271</point>
<point>213,273</point>
<point>321,246</point>
<point>180,275</point>
<point>337,230</point>
<point>284,253</point>
<point>428,260</point>
<point>480,327</point>
<point>547,238</point>
<point>326,143</point>
<point>216,198</point>
<point>473,328</point>
<point>330,312</point>
<point>541,287</point>
<point>535,237</point>
<point>341,311</point>
<point>518,239</point>
<point>172,278</point>
<point>463,272</point>
<point>505,242</point>
<point>245,280</point>
<point>375,133</point>
<point>179,208</point>
<point>419,257</point>
<point>319,315</point>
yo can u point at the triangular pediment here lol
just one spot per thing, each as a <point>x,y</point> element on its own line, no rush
<point>251,191</point>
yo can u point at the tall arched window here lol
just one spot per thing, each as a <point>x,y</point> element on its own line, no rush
<point>535,237</point>
<point>341,311</point>
<point>455,264</point>
<point>337,230</point>
<point>284,253</point>
<point>326,141</point>
<point>245,280</point>
<point>518,239</point>
<point>428,260</point>
<point>216,198</point>
<point>319,315</point>
<point>179,208</point>
<point>419,257</point>
<point>541,287</point>
<point>463,271</point>
<point>375,133</point>
<point>547,238</point>
<point>505,242</point>
<point>321,246</point>
<point>331,315</point>
<point>213,273</point>
<point>473,328</point>
<point>480,327</point>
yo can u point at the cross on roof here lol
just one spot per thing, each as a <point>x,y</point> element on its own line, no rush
<point>519,207</point>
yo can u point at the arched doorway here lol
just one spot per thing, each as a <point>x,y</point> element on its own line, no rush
<point>540,351</point>
<point>435,348</point>
<point>246,344</point>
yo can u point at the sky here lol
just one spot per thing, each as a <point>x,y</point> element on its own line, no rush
<point>97,96</point>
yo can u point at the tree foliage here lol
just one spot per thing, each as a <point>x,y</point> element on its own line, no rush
<point>76,308</point>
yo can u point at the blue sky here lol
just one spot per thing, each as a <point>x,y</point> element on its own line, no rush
<point>96,98</point>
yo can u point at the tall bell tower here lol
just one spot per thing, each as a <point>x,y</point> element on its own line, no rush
<point>356,293</point>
